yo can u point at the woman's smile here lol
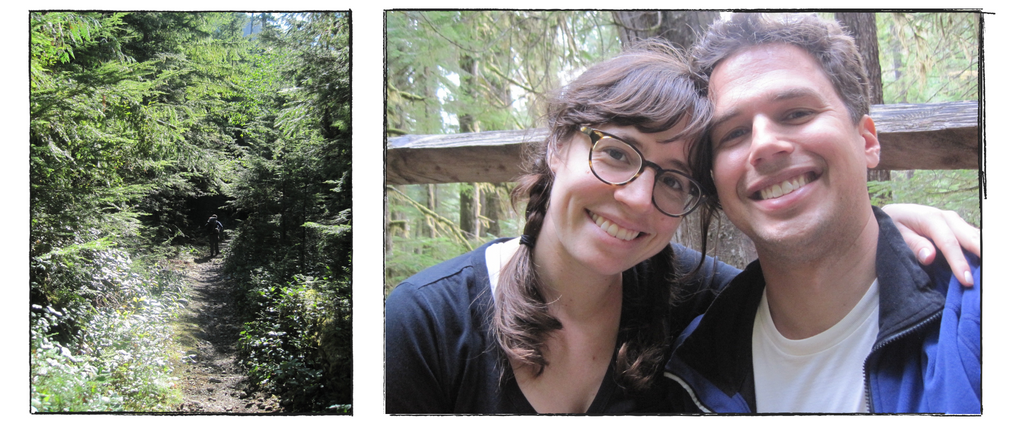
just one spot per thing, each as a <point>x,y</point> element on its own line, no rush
<point>614,229</point>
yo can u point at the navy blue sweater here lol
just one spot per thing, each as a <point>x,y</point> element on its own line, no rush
<point>926,358</point>
<point>442,358</point>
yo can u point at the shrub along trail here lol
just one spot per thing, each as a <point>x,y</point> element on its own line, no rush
<point>210,377</point>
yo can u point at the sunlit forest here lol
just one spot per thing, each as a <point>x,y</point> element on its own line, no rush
<point>470,71</point>
<point>143,125</point>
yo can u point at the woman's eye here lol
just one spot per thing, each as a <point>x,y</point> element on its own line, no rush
<point>616,154</point>
<point>674,183</point>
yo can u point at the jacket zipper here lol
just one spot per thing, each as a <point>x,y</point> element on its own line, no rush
<point>689,390</point>
<point>879,346</point>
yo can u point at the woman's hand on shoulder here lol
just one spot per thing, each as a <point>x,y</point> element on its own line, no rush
<point>924,228</point>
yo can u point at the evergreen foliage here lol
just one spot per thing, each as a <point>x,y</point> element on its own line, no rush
<point>494,67</point>
<point>462,71</point>
<point>141,124</point>
<point>297,191</point>
<point>926,58</point>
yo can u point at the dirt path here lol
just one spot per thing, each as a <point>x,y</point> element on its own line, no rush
<point>210,377</point>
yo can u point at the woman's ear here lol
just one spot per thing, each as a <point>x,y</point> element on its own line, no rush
<point>555,156</point>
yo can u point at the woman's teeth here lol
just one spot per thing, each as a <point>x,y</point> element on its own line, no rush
<point>613,229</point>
<point>783,188</point>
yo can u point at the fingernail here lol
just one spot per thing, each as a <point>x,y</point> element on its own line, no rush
<point>923,254</point>
<point>968,279</point>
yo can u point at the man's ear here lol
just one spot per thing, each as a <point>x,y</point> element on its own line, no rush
<point>872,149</point>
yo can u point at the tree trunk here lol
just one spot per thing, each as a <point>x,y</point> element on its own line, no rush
<point>432,205</point>
<point>493,212</point>
<point>469,209</point>
<point>683,28</point>
<point>865,33</point>
<point>679,27</point>
<point>475,228</point>
<point>469,197</point>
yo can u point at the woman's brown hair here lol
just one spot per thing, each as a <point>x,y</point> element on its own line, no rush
<point>650,88</point>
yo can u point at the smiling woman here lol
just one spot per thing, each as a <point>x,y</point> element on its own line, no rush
<point>574,316</point>
<point>577,314</point>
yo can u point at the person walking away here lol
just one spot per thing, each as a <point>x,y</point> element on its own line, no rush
<point>213,229</point>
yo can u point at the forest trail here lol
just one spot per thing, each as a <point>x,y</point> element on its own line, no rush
<point>211,380</point>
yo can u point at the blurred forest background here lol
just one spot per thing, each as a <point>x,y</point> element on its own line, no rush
<point>142,125</point>
<point>470,71</point>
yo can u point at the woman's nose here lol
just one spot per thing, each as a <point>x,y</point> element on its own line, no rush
<point>638,194</point>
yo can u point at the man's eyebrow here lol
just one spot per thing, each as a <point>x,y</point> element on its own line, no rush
<point>782,95</point>
<point>726,116</point>
<point>794,93</point>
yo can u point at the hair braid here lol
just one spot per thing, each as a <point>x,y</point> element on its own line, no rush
<point>649,88</point>
<point>521,318</point>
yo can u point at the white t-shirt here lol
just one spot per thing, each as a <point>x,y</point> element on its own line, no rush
<point>820,374</point>
<point>496,256</point>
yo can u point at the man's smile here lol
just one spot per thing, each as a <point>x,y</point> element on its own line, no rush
<point>785,187</point>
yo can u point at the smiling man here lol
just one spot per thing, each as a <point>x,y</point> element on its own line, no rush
<point>836,315</point>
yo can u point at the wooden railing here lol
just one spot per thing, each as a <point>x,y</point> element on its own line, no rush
<point>938,136</point>
<point>935,136</point>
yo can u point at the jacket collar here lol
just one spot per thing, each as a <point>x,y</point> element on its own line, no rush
<point>719,349</point>
<point>907,294</point>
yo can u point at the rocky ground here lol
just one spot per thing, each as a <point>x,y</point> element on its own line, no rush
<point>210,377</point>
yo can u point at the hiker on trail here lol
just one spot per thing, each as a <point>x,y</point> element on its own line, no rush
<point>213,229</point>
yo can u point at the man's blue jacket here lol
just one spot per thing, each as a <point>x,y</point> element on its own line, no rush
<point>927,357</point>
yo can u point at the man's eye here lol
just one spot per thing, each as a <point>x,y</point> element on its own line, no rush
<point>798,114</point>
<point>730,136</point>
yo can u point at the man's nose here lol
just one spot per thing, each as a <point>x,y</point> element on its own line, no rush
<point>767,141</point>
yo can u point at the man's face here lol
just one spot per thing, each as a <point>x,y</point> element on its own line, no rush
<point>789,165</point>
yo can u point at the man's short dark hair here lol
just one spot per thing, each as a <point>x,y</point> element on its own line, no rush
<point>834,50</point>
<point>825,40</point>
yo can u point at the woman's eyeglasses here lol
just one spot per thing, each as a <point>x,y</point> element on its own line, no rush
<point>618,163</point>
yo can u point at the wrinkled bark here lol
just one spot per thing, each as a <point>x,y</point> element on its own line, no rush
<point>865,33</point>
<point>679,27</point>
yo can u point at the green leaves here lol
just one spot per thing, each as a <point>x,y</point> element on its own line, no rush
<point>293,337</point>
<point>136,116</point>
<point>929,57</point>
<point>955,190</point>
<point>118,357</point>
<point>53,37</point>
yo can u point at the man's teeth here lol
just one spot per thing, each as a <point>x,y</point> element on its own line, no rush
<point>613,229</point>
<point>783,188</point>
